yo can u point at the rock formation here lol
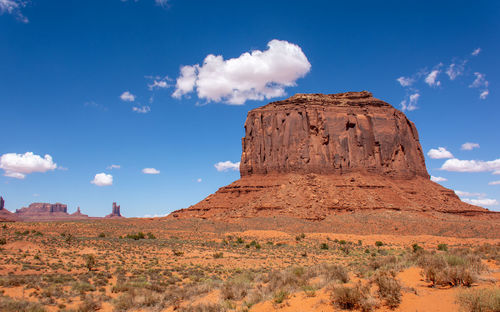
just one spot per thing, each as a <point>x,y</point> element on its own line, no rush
<point>5,215</point>
<point>78,214</point>
<point>43,208</point>
<point>115,213</point>
<point>314,155</point>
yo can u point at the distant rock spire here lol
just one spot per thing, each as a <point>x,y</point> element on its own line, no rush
<point>2,203</point>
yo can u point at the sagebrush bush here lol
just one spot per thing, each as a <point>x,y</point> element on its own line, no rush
<point>350,298</point>
<point>480,300</point>
<point>389,288</point>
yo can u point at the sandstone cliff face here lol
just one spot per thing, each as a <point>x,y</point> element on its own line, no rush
<point>336,133</point>
<point>314,156</point>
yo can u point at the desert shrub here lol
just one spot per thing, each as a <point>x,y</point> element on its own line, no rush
<point>82,287</point>
<point>151,236</point>
<point>204,307</point>
<point>333,272</point>
<point>323,246</point>
<point>442,247</point>
<point>389,288</point>
<point>102,235</point>
<point>90,262</point>
<point>480,300</point>
<point>350,298</point>
<point>240,240</point>
<point>379,244</point>
<point>3,241</point>
<point>177,253</point>
<point>8,304</point>
<point>280,296</point>
<point>416,247</point>
<point>453,269</point>
<point>89,304</point>
<point>137,236</point>
<point>218,255</point>
<point>234,289</point>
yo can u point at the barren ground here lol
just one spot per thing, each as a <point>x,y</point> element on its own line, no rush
<point>199,265</point>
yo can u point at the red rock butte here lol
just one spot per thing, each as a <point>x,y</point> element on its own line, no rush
<point>313,156</point>
<point>316,155</point>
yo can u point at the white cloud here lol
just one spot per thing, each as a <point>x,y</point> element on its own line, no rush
<point>113,167</point>
<point>431,79</point>
<point>186,81</point>
<point>159,82</point>
<point>102,179</point>
<point>481,201</point>
<point>141,109</point>
<point>405,81</point>
<point>199,180</point>
<point>458,165</point>
<point>411,103</point>
<point>468,146</point>
<point>19,165</point>
<point>256,75</point>
<point>227,165</point>
<point>476,52</point>
<point>14,7</point>
<point>494,183</point>
<point>496,172</point>
<point>127,96</point>
<point>438,179</point>
<point>455,70</point>
<point>481,83</point>
<point>484,94</point>
<point>468,194</point>
<point>439,153</point>
<point>150,171</point>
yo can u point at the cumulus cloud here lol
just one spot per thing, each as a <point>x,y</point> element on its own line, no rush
<point>481,201</point>
<point>480,83</point>
<point>19,165</point>
<point>494,183</point>
<point>255,75</point>
<point>455,70</point>
<point>431,79</point>
<point>199,180</point>
<point>127,96</point>
<point>476,52</point>
<point>405,81</point>
<point>14,7</point>
<point>439,153</point>
<point>113,167</point>
<point>410,104</point>
<point>459,165</point>
<point>141,109</point>
<point>468,146</point>
<point>150,171</point>
<point>102,179</point>
<point>227,165</point>
<point>438,179</point>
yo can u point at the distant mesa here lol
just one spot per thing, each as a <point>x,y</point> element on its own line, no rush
<point>115,212</point>
<point>313,156</point>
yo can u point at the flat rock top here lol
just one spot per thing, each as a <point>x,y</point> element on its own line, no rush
<point>346,99</point>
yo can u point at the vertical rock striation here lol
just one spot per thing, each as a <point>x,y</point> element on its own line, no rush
<point>331,134</point>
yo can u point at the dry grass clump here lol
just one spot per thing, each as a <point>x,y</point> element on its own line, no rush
<point>457,268</point>
<point>480,300</point>
<point>204,307</point>
<point>353,297</point>
<point>389,288</point>
<point>8,304</point>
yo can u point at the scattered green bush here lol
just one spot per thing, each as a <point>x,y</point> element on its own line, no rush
<point>480,300</point>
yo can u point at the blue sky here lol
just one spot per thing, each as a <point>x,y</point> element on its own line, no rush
<point>96,83</point>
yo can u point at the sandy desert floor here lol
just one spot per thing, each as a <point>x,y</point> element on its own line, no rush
<point>147,265</point>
